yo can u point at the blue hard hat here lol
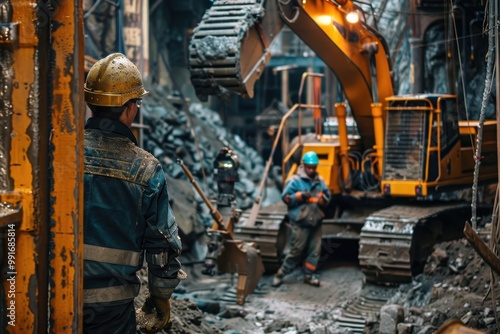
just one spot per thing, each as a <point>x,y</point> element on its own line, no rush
<point>310,158</point>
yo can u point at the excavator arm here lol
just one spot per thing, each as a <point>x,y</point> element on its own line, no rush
<point>230,48</point>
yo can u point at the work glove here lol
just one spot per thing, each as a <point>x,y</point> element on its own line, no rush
<point>160,308</point>
<point>303,196</point>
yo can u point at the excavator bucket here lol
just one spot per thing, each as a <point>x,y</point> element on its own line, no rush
<point>243,259</point>
<point>229,48</point>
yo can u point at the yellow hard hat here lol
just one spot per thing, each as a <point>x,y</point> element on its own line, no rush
<point>112,81</point>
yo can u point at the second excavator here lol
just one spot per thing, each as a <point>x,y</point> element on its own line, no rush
<point>398,183</point>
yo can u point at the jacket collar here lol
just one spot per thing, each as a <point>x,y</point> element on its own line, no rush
<point>302,173</point>
<point>110,128</point>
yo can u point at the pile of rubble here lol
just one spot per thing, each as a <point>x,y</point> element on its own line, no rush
<point>195,137</point>
<point>456,284</point>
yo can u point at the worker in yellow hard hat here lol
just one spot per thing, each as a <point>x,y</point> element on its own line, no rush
<point>126,209</point>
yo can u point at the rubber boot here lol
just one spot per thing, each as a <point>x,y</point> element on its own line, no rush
<point>277,279</point>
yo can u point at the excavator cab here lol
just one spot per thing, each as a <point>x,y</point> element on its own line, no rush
<point>428,147</point>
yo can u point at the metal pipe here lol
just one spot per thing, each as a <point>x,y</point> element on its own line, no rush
<point>378,127</point>
<point>340,111</point>
<point>256,204</point>
<point>284,99</point>
<point>285,71</point>
<point>284,87</point>
<point>301,89</point>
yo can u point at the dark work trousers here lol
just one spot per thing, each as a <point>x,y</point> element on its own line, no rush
<point>305,245</point>
<point>119,319</point>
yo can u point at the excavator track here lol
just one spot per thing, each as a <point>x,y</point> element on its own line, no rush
<point>269,232</point>
<point>228,49</point>
<point>395,241</point>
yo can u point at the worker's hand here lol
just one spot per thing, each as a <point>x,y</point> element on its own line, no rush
<point>303,196</point>
<point>160,308</point>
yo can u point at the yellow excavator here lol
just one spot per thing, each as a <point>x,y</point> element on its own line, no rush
<point>399,181</point>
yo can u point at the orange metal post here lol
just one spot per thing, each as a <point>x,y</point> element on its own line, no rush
<point>45,166</point>
<point>318,120</point>
<point>66,221</point>
<point>23,163</point>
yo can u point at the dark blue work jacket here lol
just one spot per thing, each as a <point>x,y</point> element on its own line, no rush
<point>126,213</point>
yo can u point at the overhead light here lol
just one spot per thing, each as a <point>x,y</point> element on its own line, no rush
<point>352,17</point>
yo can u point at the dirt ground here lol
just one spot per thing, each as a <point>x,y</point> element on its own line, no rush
<point>455,285</point>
